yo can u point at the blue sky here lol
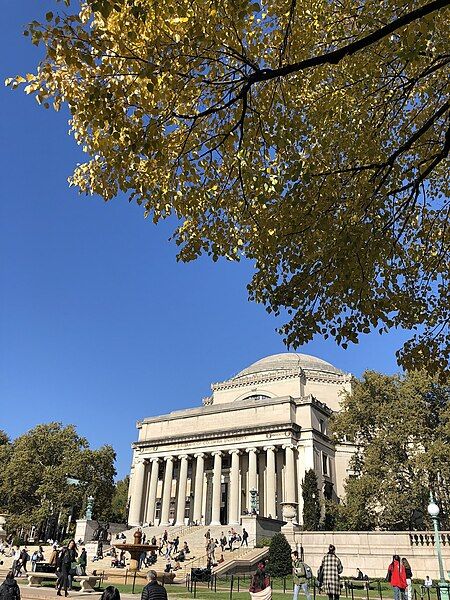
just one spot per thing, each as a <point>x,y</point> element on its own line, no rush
<point>99,325</point>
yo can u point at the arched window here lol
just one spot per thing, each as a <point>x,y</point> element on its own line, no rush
<point>257,397</point>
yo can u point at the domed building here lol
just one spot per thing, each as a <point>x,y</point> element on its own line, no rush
<point>245,450</point>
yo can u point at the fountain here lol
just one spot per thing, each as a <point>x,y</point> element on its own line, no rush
<point>135,549</point>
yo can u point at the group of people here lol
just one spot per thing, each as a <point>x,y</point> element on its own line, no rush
<point>225,542</point>
<point>328,580</point>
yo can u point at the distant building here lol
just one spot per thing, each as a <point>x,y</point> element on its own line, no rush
<point>247,448</point>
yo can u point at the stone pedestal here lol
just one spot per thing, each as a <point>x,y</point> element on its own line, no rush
<point>85,528</point>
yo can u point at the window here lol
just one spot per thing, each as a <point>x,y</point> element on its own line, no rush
<point>325,469</point>
<point>257,397</point>
<point>328,490</point>
<point>322,426</point>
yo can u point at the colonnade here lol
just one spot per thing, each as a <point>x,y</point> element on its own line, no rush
<point>280,476</point>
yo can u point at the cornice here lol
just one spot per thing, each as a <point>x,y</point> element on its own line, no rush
<point>291,429</point>
<point>216,408</point>
<point>258,378</point>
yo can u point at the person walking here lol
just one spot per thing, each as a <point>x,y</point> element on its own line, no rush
<point>82,562</point>
<point>409,575</point>
<point>66,558</point>
<point>329,574</point>
<point>24,557</point>
<point>16,560</point>
<point>300,572</point>
<point>396,576</point>
<point>153,590</point>
<point>9,590</point>
<point>244,537</point>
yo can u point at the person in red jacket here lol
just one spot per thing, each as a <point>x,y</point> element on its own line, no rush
<point>396,576</point>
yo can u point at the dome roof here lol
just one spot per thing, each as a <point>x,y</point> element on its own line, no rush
<point>288,361</point>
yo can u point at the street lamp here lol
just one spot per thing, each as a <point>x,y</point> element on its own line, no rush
<point>433,511</point>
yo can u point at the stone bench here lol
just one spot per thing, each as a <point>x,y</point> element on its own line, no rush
<point>88,582</point>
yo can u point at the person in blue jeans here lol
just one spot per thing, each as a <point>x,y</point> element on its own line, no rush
<point>299,573</point>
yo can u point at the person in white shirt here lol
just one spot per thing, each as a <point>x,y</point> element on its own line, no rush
<point>16,559</point>
<point>428,582</point>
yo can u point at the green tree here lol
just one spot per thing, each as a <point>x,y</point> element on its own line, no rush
<point>34,478</point>
<point>120,500</point>
<point>280,561</point>
<point>400,426</point>
<point>5,450</point>
<point>311,501</point>
<point>309,137</point>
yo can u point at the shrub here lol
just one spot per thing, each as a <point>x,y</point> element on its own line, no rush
<point>280,562</point>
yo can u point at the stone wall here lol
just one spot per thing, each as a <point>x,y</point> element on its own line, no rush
<point>372,551</point>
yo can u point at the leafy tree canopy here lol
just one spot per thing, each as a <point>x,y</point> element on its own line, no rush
<point>33,477</point>
<point>309,136</point>
<point>119,501</point>
<point>401,428</point>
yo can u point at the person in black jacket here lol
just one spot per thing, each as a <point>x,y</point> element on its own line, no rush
<point>64,563</point>
<point>9,590</point>
<point>153,591</point>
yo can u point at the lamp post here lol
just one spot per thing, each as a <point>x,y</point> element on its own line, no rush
<point>433,511</point>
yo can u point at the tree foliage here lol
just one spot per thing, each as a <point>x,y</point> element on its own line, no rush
<point>280,561</point>
<point>33,477</point>
<point>309,136</point>
<point>401,429</point>
<point>311,501</point>
<point>119,501</point>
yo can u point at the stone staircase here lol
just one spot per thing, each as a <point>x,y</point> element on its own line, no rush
<point>194,535</point>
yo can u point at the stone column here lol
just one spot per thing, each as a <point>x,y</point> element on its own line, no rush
<point>271,482</point>
<point>252,476</point>
<point>182,483</point>
<point>300,478</point>
<point>234,488</point>
<point>289,494</point>
<point>261,483</point>
<point>217,488</point>
<point>134,514</point>
<point>167,491</point>
<point>198,486</point>
<point>279,461</point>
<point>150,517</point>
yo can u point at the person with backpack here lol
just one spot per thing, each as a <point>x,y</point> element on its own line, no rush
<point>302,575</point>
<point>9,590</point>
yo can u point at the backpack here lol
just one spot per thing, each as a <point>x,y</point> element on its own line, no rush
<point>303,570</point>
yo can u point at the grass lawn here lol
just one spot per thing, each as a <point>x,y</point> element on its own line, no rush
<point>223,591</point>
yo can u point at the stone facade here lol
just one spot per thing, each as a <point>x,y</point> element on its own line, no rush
<point>247,448</point>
